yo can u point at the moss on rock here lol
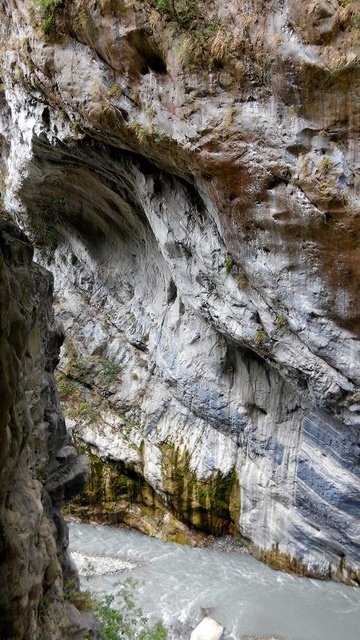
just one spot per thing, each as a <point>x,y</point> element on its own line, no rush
<point>211,505</point>
<point>118,493</point>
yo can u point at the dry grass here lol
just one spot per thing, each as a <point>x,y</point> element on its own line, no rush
<point>325,164</point>
<point>206,48</point>
<point>82,600</point>
<point>219,44</point>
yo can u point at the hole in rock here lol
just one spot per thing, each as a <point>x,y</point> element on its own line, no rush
<point>218,64</point>
<point>157,64</point>
<point>282,215</point>
<point>124,114</point>
<point>276,181</point>
<point>171,292</point>
<point>46,117</point>
<point>157,185</point>
<point>261,410</point>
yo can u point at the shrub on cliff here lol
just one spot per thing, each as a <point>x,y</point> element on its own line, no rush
<point>123,621</point>
<point>47,9</point>
<point>182,12</point>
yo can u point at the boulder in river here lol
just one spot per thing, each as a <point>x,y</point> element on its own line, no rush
<point>208,629</point>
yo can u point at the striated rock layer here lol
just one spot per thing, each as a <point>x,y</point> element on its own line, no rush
<point>39,469</point>
<point>190,173</point>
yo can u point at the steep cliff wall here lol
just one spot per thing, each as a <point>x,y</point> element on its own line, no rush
<point>190,172</point>
<point>38,467</point>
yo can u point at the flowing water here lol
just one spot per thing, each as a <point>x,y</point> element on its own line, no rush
<point>177,583</point>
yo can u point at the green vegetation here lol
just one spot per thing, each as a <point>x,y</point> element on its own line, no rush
<point>142,133</point>
<point>123,621</point>
<point>75,127</point>
<point>356,20</point>
<point>325,164</point>
<point>83,411</point>
<point>211,505</point>
<point>147,135</point>
<point>160,137</point>
<point>48,10</point>
<point>126,621</point>
<point>69,588</point>
<point>150,112</point>
<point>260,337</point>
<point>112,487</point>
<point>55,205</point>
<point>66,387</point>
<point>115,91</point>
<point>45,225</point>
<point>77,366</point>
<point>47,5</point>
<point>82,600</point>
<point>228,263</point>
<point>242,279</point>
<point>282,322</point>
<point>163,5</point>
<point>108,370</point>
<point>181,11</point>
<point>352,13</point>
<point>4,215</point>
<point>205,45</point>
<point>42,609</point>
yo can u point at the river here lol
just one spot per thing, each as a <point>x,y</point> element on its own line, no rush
<point>177,583</point>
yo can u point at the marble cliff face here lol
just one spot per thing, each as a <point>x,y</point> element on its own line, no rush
<point>190,173</point>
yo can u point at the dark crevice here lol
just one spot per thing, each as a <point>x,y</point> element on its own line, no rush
<point>147,52</point>
<point>46,117</point>
<point>276,181</point>
<point>157,185</point>
<point>171,292</point>
<point>155,63</point>
<point>194,196</point>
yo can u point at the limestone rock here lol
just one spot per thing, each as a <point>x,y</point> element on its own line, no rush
<point>34,563</point>
<point>207,629</point>
<point>192,181</point>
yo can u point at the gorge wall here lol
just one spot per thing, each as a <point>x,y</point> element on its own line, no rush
<point>39,469</point>
<point>190,174</point>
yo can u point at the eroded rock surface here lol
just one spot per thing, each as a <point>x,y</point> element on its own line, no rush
<point>192,179</point>
<point>38,466</point>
